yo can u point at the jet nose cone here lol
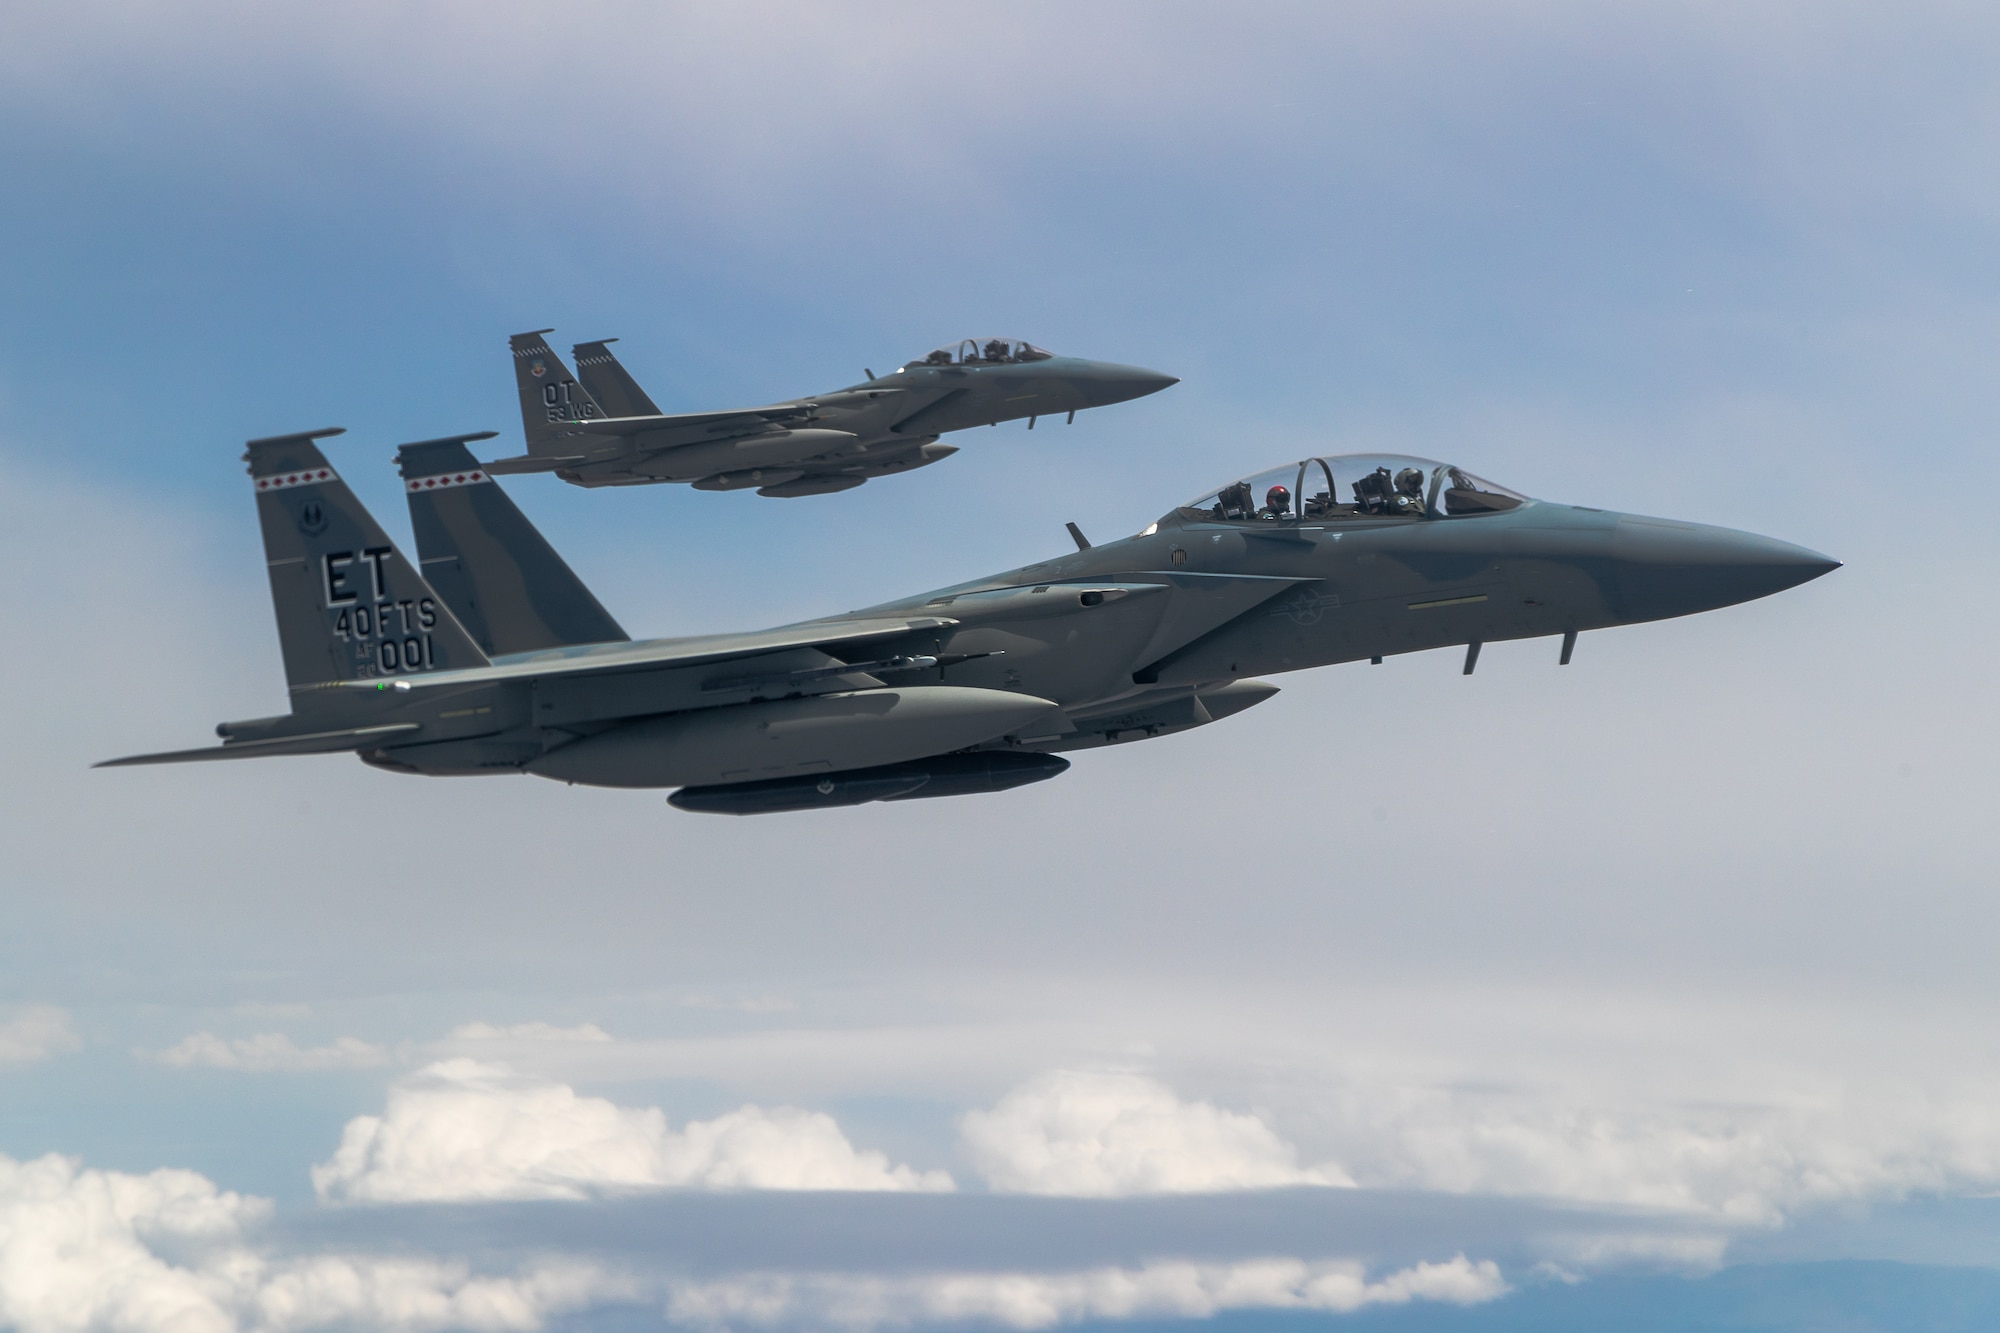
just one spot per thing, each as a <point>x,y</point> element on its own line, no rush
<point>1103,383</point>
<point>1670,569</point>
<point>1768,561</point>
<point>1811,564</point>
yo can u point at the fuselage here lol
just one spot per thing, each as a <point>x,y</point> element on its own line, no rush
<point>875,428</point>
<point>1139,637</point>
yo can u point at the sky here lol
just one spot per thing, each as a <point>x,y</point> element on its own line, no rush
<point>1653,992</point>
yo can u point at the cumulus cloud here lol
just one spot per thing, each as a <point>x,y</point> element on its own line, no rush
<point>1742,1164</point>
<point>35,1033</point>
<point>270,1050</point>
<point>1749,1159</point>
<point>1107,1134</point>
<point>86,1250</point>
<point>1041,1300</point>
<point>465,1130</point>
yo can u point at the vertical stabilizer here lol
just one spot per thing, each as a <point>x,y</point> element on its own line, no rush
<point>349,606</point>
<point>551,398</point>
<point>609,383</point>
<point>498,575</point>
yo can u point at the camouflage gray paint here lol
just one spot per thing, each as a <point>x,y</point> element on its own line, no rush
<point>973,688</point>
<point>599,428</point>
<point>508,587</point>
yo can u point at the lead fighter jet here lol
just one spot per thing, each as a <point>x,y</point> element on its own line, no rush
<point>599,428</point>
<point>494,658</point>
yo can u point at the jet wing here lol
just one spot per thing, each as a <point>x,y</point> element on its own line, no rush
<point>656,653</point>
<point>744,418</point>
<point>709,423</point>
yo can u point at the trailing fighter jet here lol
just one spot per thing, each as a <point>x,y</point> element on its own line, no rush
<point>599,428</point>
<point>492,657</point>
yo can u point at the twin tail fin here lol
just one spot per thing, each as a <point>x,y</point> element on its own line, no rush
<point>349,606</point>
<point>551,399</point>
<point>608,383</point>
<point>500,577</point>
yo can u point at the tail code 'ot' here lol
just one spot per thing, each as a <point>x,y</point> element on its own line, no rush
<point>498,575</point>
<point>349,606</point>
<point>551,398</point>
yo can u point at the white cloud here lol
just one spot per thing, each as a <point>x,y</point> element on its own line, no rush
<point>419,1294</point>
<point>35,1033</point>
<point>91,1251</point>
<point>1748,1160</point>
<point>463,1130</point>
<point>270,1050</point>
<point>1740,1164</point>
<point>86,1251</point>
<point>1040,1300</point>
<point>528,1032</point>
<point>1106,1134</point>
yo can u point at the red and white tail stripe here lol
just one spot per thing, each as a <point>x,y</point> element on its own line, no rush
<point>444,479</point>
<point>286,480</point>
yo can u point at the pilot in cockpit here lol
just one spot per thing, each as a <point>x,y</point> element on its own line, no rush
<point>996,350</point>
<point>1410,491</point>
<point>941,357</point>
<point>1277,503</point>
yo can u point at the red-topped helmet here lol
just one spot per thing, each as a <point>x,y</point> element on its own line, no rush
<point>1278,500</point>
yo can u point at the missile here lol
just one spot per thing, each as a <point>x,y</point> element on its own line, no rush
<point>972,774</point>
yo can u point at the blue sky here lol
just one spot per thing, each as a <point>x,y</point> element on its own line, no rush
<point>1658,983</point>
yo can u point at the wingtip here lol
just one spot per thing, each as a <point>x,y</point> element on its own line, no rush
<point>449,439</point>
<point>324,432</point>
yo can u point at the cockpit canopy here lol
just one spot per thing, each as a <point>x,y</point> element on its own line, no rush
<point>1353,487</point>
<point>985,352</point>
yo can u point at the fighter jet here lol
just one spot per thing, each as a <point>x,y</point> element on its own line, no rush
<point>602,430</point>
<point>492,657</point>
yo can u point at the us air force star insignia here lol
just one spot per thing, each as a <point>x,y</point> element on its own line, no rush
<point>537,369</point>
<point>1306,606</point>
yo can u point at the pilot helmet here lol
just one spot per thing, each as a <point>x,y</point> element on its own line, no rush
<point>1278,500</point>
<point>1410,481</point>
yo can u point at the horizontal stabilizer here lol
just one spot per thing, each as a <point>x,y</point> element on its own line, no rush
<point>318,742</point>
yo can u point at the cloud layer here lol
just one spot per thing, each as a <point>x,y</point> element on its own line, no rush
<point>91,1251</point>
<point>167,1252</point>
<point>270,1051</point>
<point>463,1130</point>
<point>1105,1134</point>
<point>1040,1300</point>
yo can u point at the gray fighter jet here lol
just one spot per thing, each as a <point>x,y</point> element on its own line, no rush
<point>493,658</point>
<point>599,428</point>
